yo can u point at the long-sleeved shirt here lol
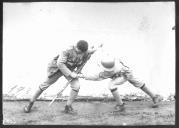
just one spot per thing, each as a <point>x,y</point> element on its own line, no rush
<point>68,60</point>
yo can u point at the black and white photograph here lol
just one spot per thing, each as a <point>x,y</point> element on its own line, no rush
<point>88,63</point>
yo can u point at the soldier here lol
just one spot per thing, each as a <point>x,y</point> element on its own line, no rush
<point>119,73</point>
<point>64,64</point>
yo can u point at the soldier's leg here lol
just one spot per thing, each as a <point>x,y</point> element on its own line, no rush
<point>139,84</point>
<point>75,86</point>
<point>113,88</point>
<point>49,81</point>
<point>145,89</point>
<point>155,99</point>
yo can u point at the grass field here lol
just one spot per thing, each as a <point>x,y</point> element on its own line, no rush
<point>89,113</point>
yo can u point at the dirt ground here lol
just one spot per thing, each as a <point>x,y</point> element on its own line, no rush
<point>89,113</point>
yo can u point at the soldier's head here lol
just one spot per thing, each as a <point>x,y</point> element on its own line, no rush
<point>82,46</point>
<point>108,63</point>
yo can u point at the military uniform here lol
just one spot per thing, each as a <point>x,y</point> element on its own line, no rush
<point>63,65</point>
<point>121,73</point>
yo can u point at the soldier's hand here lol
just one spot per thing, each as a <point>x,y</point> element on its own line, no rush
<point>80,75</point>
<point>84,76</point>
<point>74,75</point>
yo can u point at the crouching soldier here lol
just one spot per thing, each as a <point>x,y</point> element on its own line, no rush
<point>119,73</point>
<point>64,64</point>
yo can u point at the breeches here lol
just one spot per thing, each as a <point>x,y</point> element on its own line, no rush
<point>52,77</point>
<point>126,75</point>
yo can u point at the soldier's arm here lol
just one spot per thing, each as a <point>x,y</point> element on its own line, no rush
<point>61,63</point>
<point>93,77</point>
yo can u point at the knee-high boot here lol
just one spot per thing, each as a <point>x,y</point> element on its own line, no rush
<point>32,100</point>
<point>152,95</point>
<point>147,91</point>
<point>73,95</point>
<point>117,96</point>
<point>120,104</point>
<point>68,107</point>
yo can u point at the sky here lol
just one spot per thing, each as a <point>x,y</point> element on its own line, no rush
<point>139,33</point>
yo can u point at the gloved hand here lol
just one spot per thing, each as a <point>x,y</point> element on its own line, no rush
<point>80,75</point>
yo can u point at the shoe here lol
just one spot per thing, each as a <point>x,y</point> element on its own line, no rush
<point>28,108</point>
<point>155,102</point>
<point>119,108</point>
<point>69,109</point>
